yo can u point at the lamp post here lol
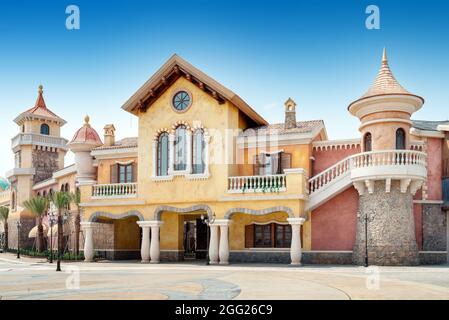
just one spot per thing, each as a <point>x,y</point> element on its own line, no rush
<point>366,218</point>
<point>19,224</point>
<point>52,215</point>
<point>61,220</point>
<point>208,220</point>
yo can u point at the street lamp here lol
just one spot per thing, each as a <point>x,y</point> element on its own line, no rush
<point>366,218</point>
<point>52,217</point>
<point>208,220</point>
<point>19,225</point>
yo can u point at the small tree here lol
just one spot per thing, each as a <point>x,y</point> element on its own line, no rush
<point>76,199</point>
<point>61,200</point>
<point>4,213</point>
<point>38,207</point>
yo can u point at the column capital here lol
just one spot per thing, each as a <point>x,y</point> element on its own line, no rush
<point>150,223</point>
<point>221,222</point>
<point>295,171</point>
<point>87,224</point>
<point>296,221</point>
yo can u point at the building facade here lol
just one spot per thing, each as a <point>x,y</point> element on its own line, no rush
<point>208,177</point>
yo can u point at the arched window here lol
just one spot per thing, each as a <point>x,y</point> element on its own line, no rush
<point>13,200</point>
<point>367,142</point>
<point>162,154</point>
<point>400,139</point>
<point>45,129</point>
<point>198,151</point>
<point>180,148</point>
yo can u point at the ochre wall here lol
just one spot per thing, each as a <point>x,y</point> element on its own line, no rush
<point>126,233</point>
<point>334,222</point>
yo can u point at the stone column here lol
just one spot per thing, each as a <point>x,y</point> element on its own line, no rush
<point>145,246</point>
<point>189,151</point>
<point>213,244</point>
<point>171,153</point>
<point>295,249</point>
<point>223,251</point>
<point>206,154</point>
<point>154,156</point>
<point>88,241</point>
<point>155,244</point>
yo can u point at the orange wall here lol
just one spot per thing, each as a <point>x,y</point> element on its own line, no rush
<point>327,158</point>
<point>434,168</point>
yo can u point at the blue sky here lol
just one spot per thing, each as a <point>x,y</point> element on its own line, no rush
<point>317,52</point>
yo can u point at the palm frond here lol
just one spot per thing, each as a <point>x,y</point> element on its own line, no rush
<point>37,205</point>
<point>4,213</point>
<point>61,199</point>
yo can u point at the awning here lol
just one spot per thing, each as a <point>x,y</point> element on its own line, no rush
<point>54,230</point>
<point>33,232</point>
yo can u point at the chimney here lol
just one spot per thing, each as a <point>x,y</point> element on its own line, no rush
<point>290,114</point>
<point>109,135</point>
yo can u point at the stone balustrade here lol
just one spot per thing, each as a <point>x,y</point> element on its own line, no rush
<point>5,197</point>
<point>38,140</point>
<point>268,183</point>
<point>114,190</point>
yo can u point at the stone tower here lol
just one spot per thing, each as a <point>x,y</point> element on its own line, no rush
<point>38,151</point>
<point>387,174</point>
<point>290,114</point>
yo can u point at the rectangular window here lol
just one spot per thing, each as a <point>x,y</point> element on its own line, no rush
<point>125,173</point>
<point>272,235</point>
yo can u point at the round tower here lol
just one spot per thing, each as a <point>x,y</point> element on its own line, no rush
<point>387,174</point>
<point>84,140</point>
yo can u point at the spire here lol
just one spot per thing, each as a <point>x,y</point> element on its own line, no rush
<point>40,102</point>
<point>86,120</point>
<point>385,82</point>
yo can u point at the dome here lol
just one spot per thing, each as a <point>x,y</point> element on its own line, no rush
<point>4,184</point>
<point>86,135</point>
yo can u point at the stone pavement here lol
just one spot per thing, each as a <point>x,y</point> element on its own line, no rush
<point>30,278</point>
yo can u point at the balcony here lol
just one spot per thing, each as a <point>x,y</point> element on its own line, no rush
<point>38,140</point>
<point>255,184</point>
<point>114,191</point>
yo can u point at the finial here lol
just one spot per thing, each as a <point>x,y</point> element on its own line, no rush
<point>384,56</point>
<point>41,89</point>
<point>86,119</point>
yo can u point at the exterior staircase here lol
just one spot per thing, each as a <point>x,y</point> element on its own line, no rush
<point>363,169</point>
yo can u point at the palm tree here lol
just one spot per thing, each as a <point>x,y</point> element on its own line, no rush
<point>61,200</point>
<point>38,207</point>
<point>76,199</point>
<point>4,213</point>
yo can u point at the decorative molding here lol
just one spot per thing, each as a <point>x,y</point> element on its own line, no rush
<point>115,153</point>
<point>368,123</point>
<point>162,178</point>
<point>336,144</point>
<point>125,163</point>
<point>404,184</point>
<point>231,212</point>
<point>113,203</point>
<point>100,214</point>
<point>263,197</point>
<point>426,133</point>
<point>199,207</point>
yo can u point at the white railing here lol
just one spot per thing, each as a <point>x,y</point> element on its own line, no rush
<point>366,160</point>
<point>268,183</point>
<point>114,190</point>
<point>38,139</point>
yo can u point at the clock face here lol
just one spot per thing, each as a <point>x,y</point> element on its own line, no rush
<point>181,101</point>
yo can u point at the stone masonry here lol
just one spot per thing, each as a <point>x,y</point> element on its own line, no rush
<point>434,228</point>
<point>45,162</point>
<point>391,229</point>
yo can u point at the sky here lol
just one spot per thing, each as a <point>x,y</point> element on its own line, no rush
<point>318,52</point>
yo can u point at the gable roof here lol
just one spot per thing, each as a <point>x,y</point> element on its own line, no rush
<point>39,111</point>
<point>172,70</point>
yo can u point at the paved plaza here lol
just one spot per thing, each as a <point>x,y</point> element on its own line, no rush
<point>31,278</point>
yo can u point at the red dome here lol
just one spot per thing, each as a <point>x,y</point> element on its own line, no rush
<point>87,134</point>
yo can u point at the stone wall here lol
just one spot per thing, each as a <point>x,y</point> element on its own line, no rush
<point>434,228</point>
<point>391,233</point>
<point>45,163</point>
<point>27,225</point>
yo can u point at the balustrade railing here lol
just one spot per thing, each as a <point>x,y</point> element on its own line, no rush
<point>268,183</point>
<point>115,190</point>
<point>366,160</point>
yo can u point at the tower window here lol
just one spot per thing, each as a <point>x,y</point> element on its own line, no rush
<point>367,142</point>
<point>400,139</point>
<point>45,129</point>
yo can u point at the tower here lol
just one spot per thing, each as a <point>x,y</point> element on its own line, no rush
<point>387,174</point>
<point>38,151</point>
<point>290,114</point>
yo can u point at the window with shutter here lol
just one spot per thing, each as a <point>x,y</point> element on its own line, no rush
<point>286,161</point>
<point>114,173</point>
<point>249,236</point>
<point>134,174</point>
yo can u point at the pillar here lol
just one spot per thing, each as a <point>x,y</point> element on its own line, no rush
<point>213,244</point>
<point>295,249</point>
<point>145,246</point>
<point>171,153</point>
<point>155,250</point>
<point>88,241</point>
<point>223,251</point>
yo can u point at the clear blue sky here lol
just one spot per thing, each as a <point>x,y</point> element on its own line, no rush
<point>318,52</point>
